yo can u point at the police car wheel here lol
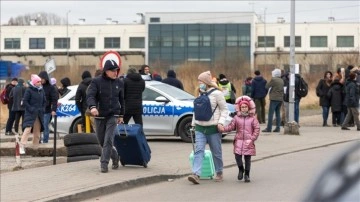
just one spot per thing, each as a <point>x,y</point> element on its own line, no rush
<point>73,128</point>
<point>184,129</point>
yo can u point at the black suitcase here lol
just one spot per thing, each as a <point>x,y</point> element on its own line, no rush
<point>131,145</point>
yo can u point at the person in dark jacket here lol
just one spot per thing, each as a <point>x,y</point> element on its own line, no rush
<point>34,102</point>
<point>227,88</point>
<point>258,93</point>
<point>80,96</point>
<point>156,77</point>
<point>17,95</point>
<point>134,85</point>
<point>63,90</point>
<point>297,98</point>
<point>105,99</point>
<point>11,119</point>
<point>172,80</point>
<point>246,88</point>
<point>352,102</point>
<point>51,96</point>
<point>336,95</point>
<point>321,91</point>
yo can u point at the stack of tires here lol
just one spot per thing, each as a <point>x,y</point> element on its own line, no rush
<point>81,147</point>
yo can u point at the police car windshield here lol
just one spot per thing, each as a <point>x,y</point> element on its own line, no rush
<point>174,92</point>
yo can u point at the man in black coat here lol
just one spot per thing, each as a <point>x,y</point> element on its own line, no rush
<point>11,119</point>
<point>51,96</point>
<point>172,80</point>
<point>105,99</point>
<point>134,85</point>
<point>80,96</point>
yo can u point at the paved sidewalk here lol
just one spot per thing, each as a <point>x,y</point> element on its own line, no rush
<point>81,180</point>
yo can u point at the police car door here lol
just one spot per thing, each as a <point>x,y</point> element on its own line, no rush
<point>157,116</point>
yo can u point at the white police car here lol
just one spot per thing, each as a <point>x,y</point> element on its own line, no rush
<point>166,111</point>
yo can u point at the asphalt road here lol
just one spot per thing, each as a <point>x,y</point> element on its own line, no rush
<point>280,178</point>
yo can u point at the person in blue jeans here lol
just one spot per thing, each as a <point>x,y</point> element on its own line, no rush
<point>208,131</point>
<point>52,96</point>
<point>276,92</point>
<point>322,90</point>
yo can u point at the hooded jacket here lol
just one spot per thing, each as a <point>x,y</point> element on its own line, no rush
<point>34,102</point>
<point>134,85</point>
<point>51,93</point>
<point>258,90</point>
<point>336,95</point>
<point>172,80</point>
<point>80,96</point>
<point>276,86</point>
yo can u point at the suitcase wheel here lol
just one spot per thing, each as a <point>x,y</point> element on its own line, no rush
<point>145,165</point>
<point>122,163</point>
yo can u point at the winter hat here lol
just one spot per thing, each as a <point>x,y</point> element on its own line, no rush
<point>244,102</point>
<point>222,76</point>
<point>52,81</point>
<point>131,71</point>
<point>14,79</point>
<point>276,73</point>
<point>35,78</point>
<point>110,65</point>
<point>86,74</point>
<point>20,81</point>
<point>207,79</point>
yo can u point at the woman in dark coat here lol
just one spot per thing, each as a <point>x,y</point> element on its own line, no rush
<point>336,95</point>
<point>321,91</point>
<point>17,95</point>
<point>34,102</point>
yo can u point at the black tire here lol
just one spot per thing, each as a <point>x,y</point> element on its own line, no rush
<point>184,129</point>
<point>82,150</point>
<point>81,158</point>
<point>80,138</point>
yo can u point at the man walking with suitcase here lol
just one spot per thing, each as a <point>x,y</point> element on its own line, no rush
<point>105,99</point>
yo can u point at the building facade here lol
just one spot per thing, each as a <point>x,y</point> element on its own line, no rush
<point>167,40</point>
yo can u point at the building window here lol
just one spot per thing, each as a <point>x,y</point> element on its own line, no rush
<point>179,41</point>
<point>316,68</point>
<point>270,41</point>
<point>345,41</point>
<point>166,41</point>
<point>12,43</point>
<point>37,43</point>
<point>244,41</point>
<point>87,42</point>
<point>205,41</point>
<point>318,41</point>
<point>154,19</point>
<point>112,42</point>
<point>287,41</point>
<point>155,41</point>
<point>61,43</point>
<point>231,41</point>
<point>193,41</point>
<point>137,42</point>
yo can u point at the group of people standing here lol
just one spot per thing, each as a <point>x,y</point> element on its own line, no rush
<point>340,92</point>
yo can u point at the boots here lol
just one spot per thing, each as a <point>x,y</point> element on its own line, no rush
<point>241,173</point>
<point>247,175</point>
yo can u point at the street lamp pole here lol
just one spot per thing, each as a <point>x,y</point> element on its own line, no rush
<point>265,40</point>
<point>67,38</point>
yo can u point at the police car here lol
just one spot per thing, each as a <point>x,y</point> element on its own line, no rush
<point>166,111</point>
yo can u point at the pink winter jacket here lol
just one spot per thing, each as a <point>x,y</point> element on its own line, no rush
<point>247,131</point>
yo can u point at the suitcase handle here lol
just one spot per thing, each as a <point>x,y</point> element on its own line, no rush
<point>118,133</point>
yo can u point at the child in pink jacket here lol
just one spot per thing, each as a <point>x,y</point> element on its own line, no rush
<point>247,131</point>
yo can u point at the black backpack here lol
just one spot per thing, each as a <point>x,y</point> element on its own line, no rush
<point>303,88</point>
<point>202,107</point>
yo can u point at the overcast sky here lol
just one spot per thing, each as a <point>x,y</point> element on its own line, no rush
<point>96,12</point>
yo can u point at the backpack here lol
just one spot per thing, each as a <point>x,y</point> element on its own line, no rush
<point>4,99</point>
<point>202,107</point>
<point>303,89</point>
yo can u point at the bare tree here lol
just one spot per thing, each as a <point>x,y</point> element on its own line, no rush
<point>41,18</point>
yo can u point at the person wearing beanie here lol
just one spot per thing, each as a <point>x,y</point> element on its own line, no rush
<point>17,95</point>
<point>52,96</point>
<point>351,102</point>
<point>172,80</point>
<point>276,94</point>
<point>134,86</point>
<point>258,94</point>
<point>247,129</point>
<point>11,119</point>
<point>53,81</point>
<point>227,88</point>
<point>34,102</point>
<point>102,93</point>
<point>63,90</point>
<point>208,131</point>
<point>80,96</point>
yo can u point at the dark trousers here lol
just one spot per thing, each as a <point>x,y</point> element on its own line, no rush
<point>10,121</point>
<point>18,115</point>
<point>105,132</point>
<point>137,118</point>
<point>336,118</point>
<point>260,109</point>
<point>239,161</point>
